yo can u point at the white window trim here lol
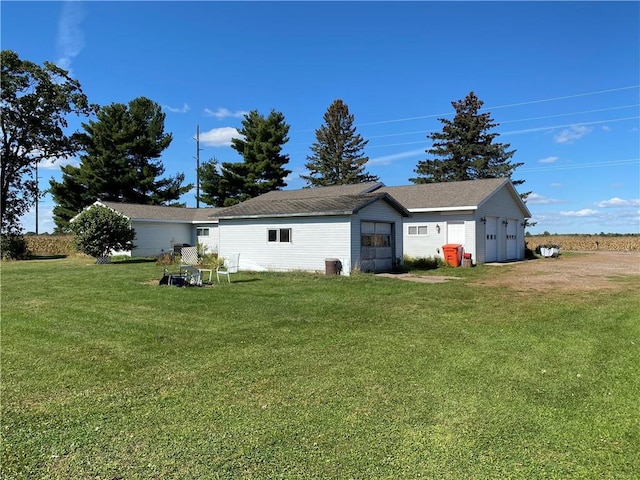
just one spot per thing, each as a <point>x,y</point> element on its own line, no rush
<point>278,232</point>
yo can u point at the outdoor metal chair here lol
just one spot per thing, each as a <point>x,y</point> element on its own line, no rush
<point>231,265</point>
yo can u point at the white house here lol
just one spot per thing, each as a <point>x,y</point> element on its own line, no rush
<point>160,229</point>
<point>367,226</point>
<point>303,229</point>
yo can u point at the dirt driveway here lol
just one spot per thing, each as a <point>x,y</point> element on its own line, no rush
<point>572,272</point>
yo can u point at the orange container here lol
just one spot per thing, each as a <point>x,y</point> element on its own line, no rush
<point>452,254</point>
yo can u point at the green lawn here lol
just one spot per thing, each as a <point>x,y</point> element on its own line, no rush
<point>289,376</point>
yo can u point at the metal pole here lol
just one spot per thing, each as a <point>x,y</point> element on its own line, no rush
<point>198,166</point>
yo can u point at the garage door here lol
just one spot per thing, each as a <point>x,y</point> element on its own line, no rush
<point>512,243</point>
<point>491,240</point>
<point>376,248</point>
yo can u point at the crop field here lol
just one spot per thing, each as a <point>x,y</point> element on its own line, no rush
<point>587,243</point>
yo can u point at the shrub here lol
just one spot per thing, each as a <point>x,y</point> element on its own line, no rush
<point>423,263</point>
<point>13,247</point>
<point>99,231</point>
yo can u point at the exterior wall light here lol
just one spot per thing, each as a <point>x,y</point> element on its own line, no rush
<point>438,228</point>
<point>483,220</point>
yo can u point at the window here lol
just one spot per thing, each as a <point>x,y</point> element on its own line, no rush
<point>417,229</point>
<point>281,235</point>
<point>202,232</point>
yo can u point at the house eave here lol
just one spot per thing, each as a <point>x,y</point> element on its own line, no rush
<point>443,209</point>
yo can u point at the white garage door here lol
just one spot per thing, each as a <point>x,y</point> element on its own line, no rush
<point>491,242</point>
<point>376,249</point>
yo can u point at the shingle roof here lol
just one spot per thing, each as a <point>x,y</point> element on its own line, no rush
<point>317,192</point>
<point>283,205</point>
<point>160,212</point>
<point>471,193</point>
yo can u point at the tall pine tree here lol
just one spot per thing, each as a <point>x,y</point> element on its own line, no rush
<point>465,148</point>
<point>121,162</point>
<point>262,168</point>
<point>338,157</point>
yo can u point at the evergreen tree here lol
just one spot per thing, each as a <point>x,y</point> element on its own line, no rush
<point>338,157</point>
<point>262,168</point>
<point>121,162</point>
<point>210,183</point>
<point>36,101</point>
<point>464,149</point>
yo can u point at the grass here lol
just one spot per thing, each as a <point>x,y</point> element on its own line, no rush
<point>105,375</point>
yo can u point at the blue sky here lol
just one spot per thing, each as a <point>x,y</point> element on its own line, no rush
<point>562,80</point>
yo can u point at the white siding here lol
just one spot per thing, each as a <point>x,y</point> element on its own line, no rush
<point>211,241</point>
<point>430,245</point>
<point>154,238</point>
<point>313,239</point>
<point>501,207</point>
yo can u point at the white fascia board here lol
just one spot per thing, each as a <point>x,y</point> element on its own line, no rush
<point>443,209</point>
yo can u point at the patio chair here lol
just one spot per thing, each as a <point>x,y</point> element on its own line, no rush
<point>231,265</point>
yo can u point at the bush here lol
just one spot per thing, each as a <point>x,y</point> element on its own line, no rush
<point>13,247</point>
<point>100,230</point>
<point>423,263</point>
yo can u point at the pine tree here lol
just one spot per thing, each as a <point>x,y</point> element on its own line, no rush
<point>121,162</point>
<point>210,183</point>
<point>262,168</point>
<point>338,157</point>
<point>464,149</point>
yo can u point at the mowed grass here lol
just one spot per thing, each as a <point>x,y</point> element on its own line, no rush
<point>287,376</point>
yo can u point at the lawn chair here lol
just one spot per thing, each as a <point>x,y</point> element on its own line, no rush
<point>231,265</point>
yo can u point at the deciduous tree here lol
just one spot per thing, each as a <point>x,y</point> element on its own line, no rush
<point>338,153</point>
<point>99,230</point>
<point>36,101</point>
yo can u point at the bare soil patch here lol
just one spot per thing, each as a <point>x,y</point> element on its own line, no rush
<point>573,272</point>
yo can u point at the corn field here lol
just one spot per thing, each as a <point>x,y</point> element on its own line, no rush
<point>51,244</point>
<point>587,243</point>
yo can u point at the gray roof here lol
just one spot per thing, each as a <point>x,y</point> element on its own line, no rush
<point>318,192</point>
<point>281,204</point>
<point>449,195</point>
<point>161,213</point>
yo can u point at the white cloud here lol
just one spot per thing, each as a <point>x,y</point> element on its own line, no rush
<point>221,113</point>
<point>619,202</point>
<point>70,35</point>
<point>56,162</point>
<point>219,137</point>
<point>388,159</point>
<point>568,135</point>
<point>606,128</point>
<point>184,109</point>
<point>548,160</point>
<point>555,185</point>
<point>585,212</point>
<point>535,199</point>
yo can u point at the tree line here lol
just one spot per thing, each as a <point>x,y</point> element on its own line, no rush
<point>121,145</point>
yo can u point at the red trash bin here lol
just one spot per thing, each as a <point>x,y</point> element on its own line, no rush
<point>452,254</point>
